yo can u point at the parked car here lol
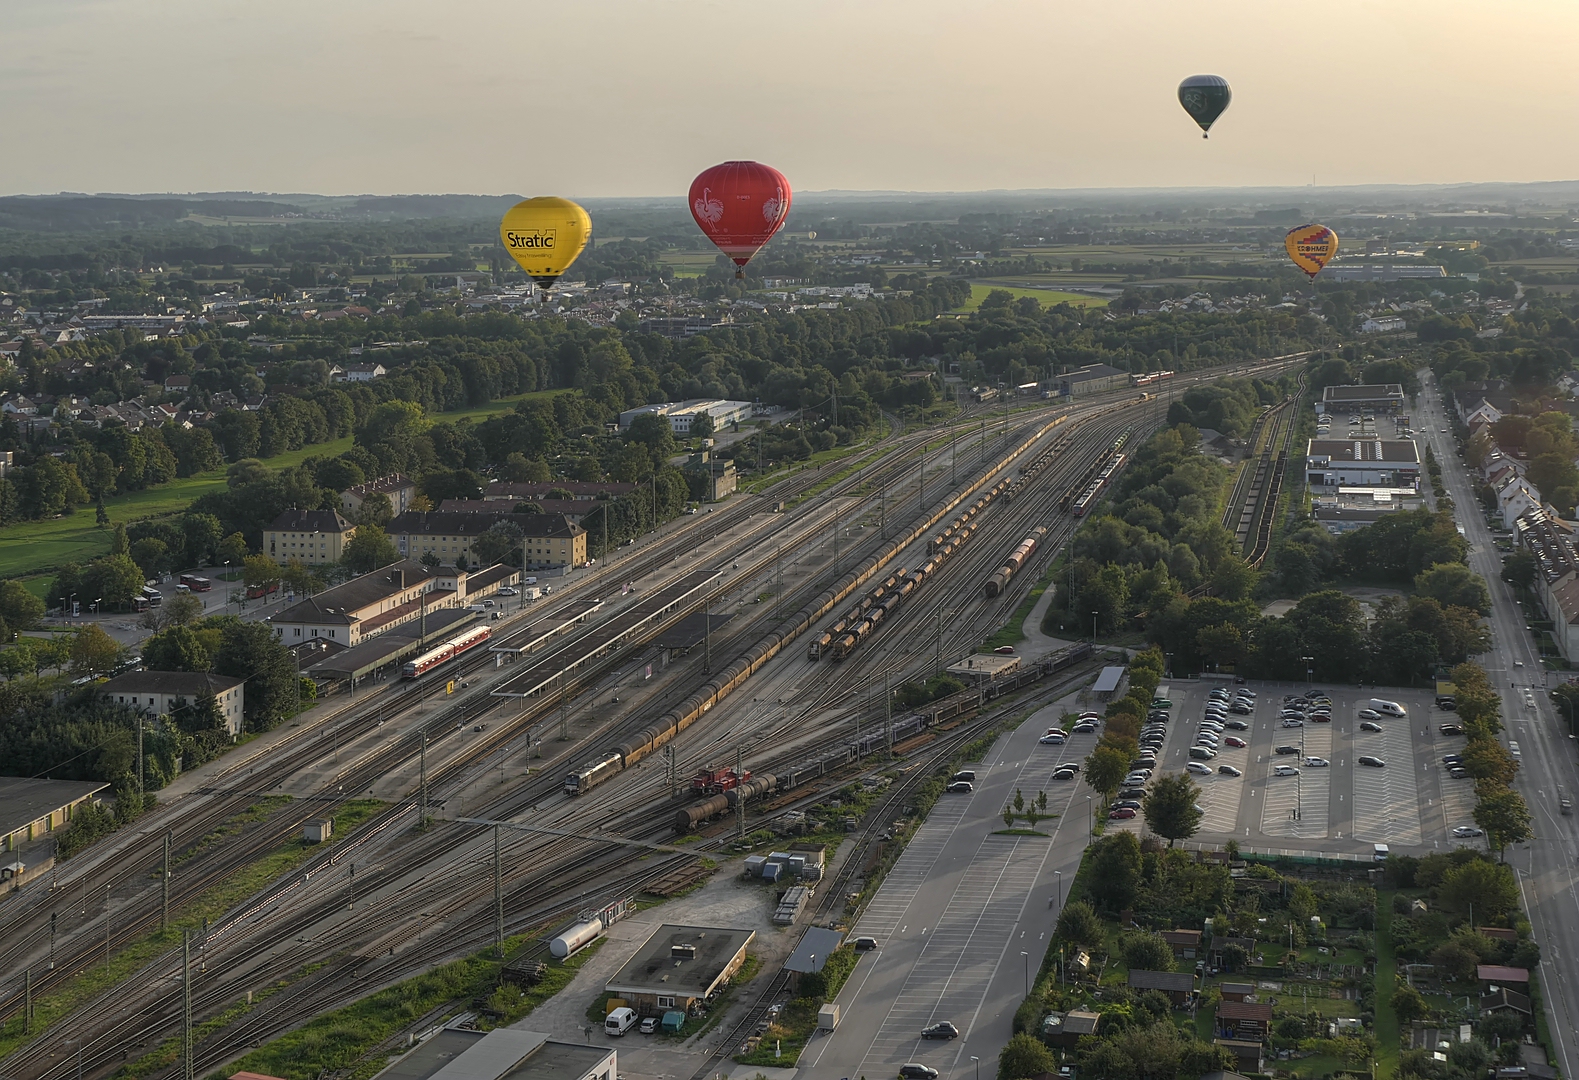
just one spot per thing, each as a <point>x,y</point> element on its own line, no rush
<point>1133,804</point>
<point>1197,768</point>
<point>1202,753</point>
<point>1291,722</point>
<point>1237,725</point>
<point>1089,716</point>
<point>1373,762</point>
<point>1236,742</point>
<point>1122,813</point>
<point>1285,770</point>
<point>1451,729</point>
<point>1321,718</point>
<point>1242,708</point>
<point>1063,774</point>
<point>1452,759</point>
<point>1229,770</point>
<point>912,1071</point>
<point>1458,772</point>
<point>941,1030</point>
<point>1072,766</point>
<point>649,1024</point>
<point>961,787</point>
<point>1286,750</point>
<point>1052,738</point>
<point>1368,725</point>
<point>1084,728</point>
<point>1316,763</point>
<point>1370,714</point>
<point>1464,832</point>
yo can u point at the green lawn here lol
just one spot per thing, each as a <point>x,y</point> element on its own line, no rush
<point>1386,977</point>
<point>39,547</point>
<point>1049,297</point>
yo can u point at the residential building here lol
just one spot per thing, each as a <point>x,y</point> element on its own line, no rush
<point>1382,324</point>
<point>1092,379</point>
<point>551,540</point>
<point>313,536</point>
<point>1505,1000</point>
<point>574,509</point>
<point>1560,598</point>
<point>163,693</point>
<point>398,488</point>
<point>1367,462</point>
<point>455,1053</point>
<point>1515,498</point>
<point>718,477</point>
<point>1379,397</point>
<point>31,809</point>
<point>371,604</point>
<point>362,372</point>
<point>679,966</point>
<point>682,413</point>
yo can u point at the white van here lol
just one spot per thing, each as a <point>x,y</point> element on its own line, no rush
<point>619,1021</point>
<point>1388,708</point>
<point>1380,853</point>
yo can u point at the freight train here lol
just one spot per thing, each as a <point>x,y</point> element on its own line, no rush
<point>875,739</point>
<point>1011,566</point>
<point>445,652</point>
<point>1089,497</point>
<point>656,734</point>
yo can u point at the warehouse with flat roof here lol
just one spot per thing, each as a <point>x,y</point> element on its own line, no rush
<point>30,809</point>
<point>678,967</point>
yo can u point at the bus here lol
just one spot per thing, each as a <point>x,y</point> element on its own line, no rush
<point>257,592</point>
<point>195,583</point>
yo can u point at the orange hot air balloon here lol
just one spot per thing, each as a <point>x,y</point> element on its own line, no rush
<point>1311,247</point>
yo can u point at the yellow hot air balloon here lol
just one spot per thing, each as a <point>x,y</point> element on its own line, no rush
<point>1311,247</point>
<point>545,235</point>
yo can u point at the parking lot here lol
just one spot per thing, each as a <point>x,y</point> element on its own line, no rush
<point>1410,802</point>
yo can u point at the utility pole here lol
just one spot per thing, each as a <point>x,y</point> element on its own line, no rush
<point>778,570</point>
<point>27,1001</point>
<point>141,799</point>
<point>564,708</point>
<point>671,767</point>
<point>498,896</point>
<point>740,803</point>
<point>164,889</point>
<point>707,636</point>
<point>922,494</point>
<point>422,767</point>
<point>888,716</point>
<point>187,1068</point>
<point>836,539</point>
<point>350,887</point>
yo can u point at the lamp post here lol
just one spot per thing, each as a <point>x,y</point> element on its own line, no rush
<point>1310,672</point>
<point>1059,874</point>
<point>976,1061</point>
<point>1093,628</point>
<point>1027,958</point>
<point>1088,815</point>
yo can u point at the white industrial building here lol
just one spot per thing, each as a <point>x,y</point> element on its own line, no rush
<point>1367,462</point>
<point>681,413</point>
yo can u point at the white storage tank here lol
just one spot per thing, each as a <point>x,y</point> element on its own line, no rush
<point>577,937</point>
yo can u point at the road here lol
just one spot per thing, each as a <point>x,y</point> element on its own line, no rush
<point>1546,867</point>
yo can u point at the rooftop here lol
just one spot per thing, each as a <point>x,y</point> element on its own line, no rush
<point>383,485</point>
<point>1337,450</point>
<point>1244,1010</point>
<point>1496,973</point>
<point>502,1054</point>
<point>655,969</point>
<point>311,521</point>
<point>1108,680</point>
<point>1375,392</point>
<point>338,605</point>
<point>187,683</point>
<point>24,800</point>
<point>812,952</point>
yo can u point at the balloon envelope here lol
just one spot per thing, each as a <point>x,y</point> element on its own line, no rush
<point>545,235</point>
<point>1311,247</point>
<point>1205,97</point>
<point>740,205</point>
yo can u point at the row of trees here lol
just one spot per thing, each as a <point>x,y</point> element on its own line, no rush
<point>1499,809</point>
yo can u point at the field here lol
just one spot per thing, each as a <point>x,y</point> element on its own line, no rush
<point>37,547</point>
<point>1049,296</point>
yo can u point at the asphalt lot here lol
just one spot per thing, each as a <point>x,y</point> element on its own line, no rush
<point>1410,804</point>
<point>954,916</point>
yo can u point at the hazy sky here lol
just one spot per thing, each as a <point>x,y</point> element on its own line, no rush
<point>633,97</point>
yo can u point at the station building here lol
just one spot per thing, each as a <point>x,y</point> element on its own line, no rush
<point>551,540</point>
<point>1091,379</point>
<point>370,604</point>
<point>678,967</point>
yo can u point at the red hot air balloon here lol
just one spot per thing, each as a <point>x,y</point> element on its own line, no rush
<point>740,205</point>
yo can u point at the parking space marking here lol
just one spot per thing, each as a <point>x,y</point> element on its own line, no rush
<point>885,911</point>
<point>1387,800</point>
<point>951,976</point>
<point>1458,796</point>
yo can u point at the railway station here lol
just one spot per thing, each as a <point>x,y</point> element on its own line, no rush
<point>354,665</point>
<point>642,616</point>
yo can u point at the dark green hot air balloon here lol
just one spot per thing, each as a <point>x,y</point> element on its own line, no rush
<point>1205,97</point>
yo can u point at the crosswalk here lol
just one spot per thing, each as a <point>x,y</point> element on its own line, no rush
<point>1386,800</point>
<point>951,976</point>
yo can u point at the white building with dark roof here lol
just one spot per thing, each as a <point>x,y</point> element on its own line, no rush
<point>1369,462</point>
<point>371,604</point>
<point>166,693</point>
<point>315,537</point>
<point>1378,397</point>
<point>400,489</point>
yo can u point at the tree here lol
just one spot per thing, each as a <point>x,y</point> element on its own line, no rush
<point>1105,769</point>
<point>1148,952</point>
<point>376,509</point>
<point>701,425</point>
<point>1024,1056</point>
<point>249,650</point>
<point>520,469</point>
<point>1234,579</point>
<point>260,571</point>
<point>113,579</point>
<point>1505,817</point>
<point>301,579</point>
<point>1115,871</point>
<point>232,550</point>
<point>501,540</point>
<point>1456,960</point>
<point>1488,886</point>
<point>19,609</point>
<point>118,542</point>
<point>149,555</point>
<point>182,609</point>
<point>1487,759</point>
<point>1408,1005</point>
<point>1169,808</point>
<point>1079,926</point>
<point>93,652</point>
<point>369,549</point>
<point>1519,569</point>
<point>203,534</point>
<point>176,649</point>
<point>1454,584</point>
